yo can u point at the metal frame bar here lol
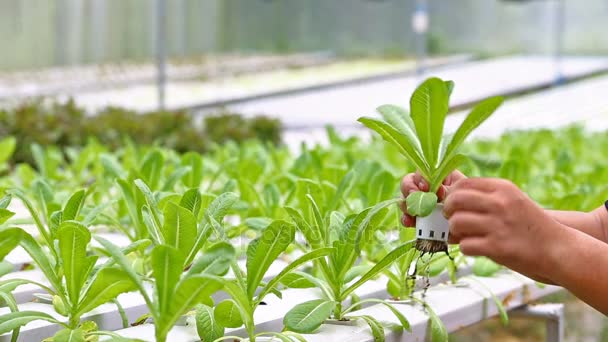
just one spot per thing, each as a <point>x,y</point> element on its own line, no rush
<point>552,314</point>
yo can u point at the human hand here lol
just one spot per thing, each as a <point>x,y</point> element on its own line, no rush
<point>414,182</point>
<point>494,218</point>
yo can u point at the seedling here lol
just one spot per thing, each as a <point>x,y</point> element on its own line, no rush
<point>76,285</point>
<point>48,214</point>
<point>177,223</point>
<point>243,290</point>
<point>339,274</point>
<point>178,239</point>
<point>419,138</point>
<point>175,293</point>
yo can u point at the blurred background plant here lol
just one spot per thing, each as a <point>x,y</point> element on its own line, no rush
<point>67,125</point>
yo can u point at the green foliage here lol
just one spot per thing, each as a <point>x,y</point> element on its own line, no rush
<point>76,287</point>
<point>348,236</point>
<point>261,253</point>
<point>419,136</point>
<point>484,267</point>
<point>17,319</point>
<point>207,327</point>
<point>67,125</point>
<point>188,211</point>
<point>308,316</point>
<point>436,326</point>
<point>227,314</point>
<point>421,203</point>
<point>232,127</point>
<point>175,292</point>
<point>7,147</point>
<point>9,239</point>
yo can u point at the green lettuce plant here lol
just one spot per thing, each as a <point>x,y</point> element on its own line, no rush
<point>185,265</point>
<point>247,290</point>
<point>339,274</point>
<point>77,286</point>
<point>177,220</point>
<point>175,292</point>
<point>419,138</point>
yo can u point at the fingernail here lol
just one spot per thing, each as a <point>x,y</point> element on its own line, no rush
<point>421,185</point>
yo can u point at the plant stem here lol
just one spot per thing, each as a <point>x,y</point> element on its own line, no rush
<point>160,336</point>
<point>338,310</point>
<point>337,296</point>
<point>122,313</point>
<point>74,321</point>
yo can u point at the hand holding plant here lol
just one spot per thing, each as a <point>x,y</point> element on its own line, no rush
<point>419,137</point>
<point>415,182</point>
<point>494,218</point>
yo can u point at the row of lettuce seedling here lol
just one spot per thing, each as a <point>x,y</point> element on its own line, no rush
<point>76,283</point>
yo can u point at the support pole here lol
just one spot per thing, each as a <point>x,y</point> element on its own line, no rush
<point>420,26</point>
<point>161,53</point>
<point>560,23</point>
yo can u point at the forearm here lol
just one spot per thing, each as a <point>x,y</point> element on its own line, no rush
<point>578,262</point>
<point>592,223</point>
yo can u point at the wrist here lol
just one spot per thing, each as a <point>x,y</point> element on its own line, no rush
<point>555,252</point>
<point>600,219</point>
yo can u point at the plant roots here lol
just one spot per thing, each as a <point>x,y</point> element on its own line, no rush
<point>431,246</point>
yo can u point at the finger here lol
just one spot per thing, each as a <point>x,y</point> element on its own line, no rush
<point>417,177</point>
<point>420,182</point>
<point>413,182</point>
<point>403,207</point>
<point>469,224</point>
<point>453,177</point>
<point>423,185</point>
<point>474,246</point>
<point>442,193</point>
<point>449,179</point>
<point>541,279</point>
<point>467,200</point>
<point>408,221</point>
<point>408,185</point>
<point>454,239</point>
<point>480,184</point>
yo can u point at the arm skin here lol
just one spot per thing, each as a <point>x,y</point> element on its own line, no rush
<point>578,262</point>
<point>594,223</point>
